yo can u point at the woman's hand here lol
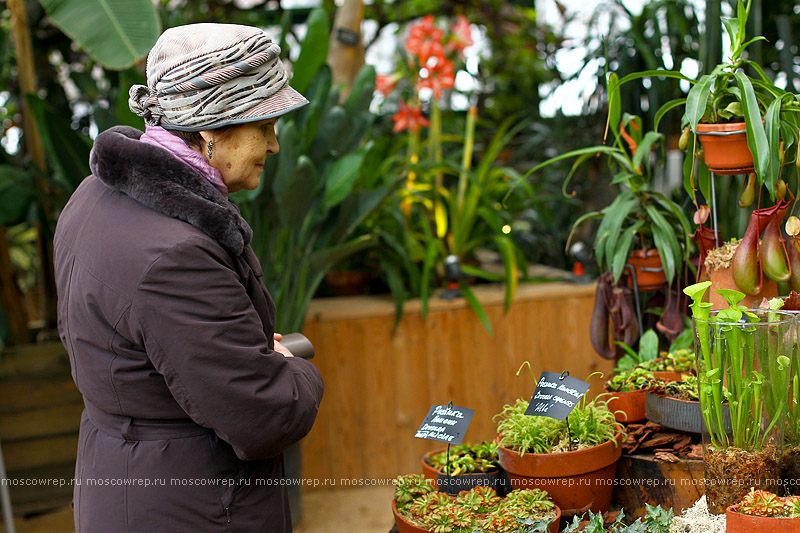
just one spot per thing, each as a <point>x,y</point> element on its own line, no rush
<point>280,347</point>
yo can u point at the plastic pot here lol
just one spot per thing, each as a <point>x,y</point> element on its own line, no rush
<point>650,274</point>
<point>725,148</point>
<point>575,480</point>
<point>628,406</point>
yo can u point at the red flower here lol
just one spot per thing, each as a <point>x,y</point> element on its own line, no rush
<point>439,76</point>
<point>462,35</point>
<point>425,40</point>
<point>409,117</point>
<point>386,84</point>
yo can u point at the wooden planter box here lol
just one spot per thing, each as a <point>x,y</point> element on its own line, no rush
<point>379,386</point>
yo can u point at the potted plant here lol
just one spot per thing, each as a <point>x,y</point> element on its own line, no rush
<point>641,228</point>
<point>747,352</point>
<point>671,366</point>
<point>467,466</point>
<point>676,405</point>
<point>626,394</point>
<point>575,460</point>
<point>417,508</point>
<point>760,510</point>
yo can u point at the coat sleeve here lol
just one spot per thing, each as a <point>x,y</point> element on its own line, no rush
<point>202,333</point>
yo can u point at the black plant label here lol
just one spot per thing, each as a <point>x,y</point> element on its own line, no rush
<point>556,396</point>
<point>445,423</point>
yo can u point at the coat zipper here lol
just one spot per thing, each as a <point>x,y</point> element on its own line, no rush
<point>228,514</point>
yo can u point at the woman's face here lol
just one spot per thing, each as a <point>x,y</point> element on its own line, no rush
<point>239,156</point>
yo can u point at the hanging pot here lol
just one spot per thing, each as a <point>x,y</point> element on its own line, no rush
<point>725,148</point>
<point>649,271</point>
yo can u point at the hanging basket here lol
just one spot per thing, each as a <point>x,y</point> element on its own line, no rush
<point>725,148</point>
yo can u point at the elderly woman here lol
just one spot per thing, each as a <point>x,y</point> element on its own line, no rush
<point>190,398</point>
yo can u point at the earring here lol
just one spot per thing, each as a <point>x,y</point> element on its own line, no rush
<point>210,149</point>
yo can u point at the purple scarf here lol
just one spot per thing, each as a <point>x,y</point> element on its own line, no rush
<point>158,136</point>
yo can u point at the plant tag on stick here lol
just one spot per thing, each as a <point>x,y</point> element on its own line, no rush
<point>556,395</point>
<point>445,423</point>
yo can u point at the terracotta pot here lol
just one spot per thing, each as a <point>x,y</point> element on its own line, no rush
<point>650,274</point>
<point>427,470</point>
<point>403,526</point>
<point>722,279</point>
<point>726,151</point>
<point>743,523</point>
<point>627,406</point>
<point>574,480</point>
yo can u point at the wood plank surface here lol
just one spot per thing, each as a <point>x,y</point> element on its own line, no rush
<point>641,479</point>
<point>379,386</point>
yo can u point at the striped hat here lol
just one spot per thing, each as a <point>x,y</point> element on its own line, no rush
<point>205,76</point>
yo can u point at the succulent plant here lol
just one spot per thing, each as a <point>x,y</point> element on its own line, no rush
<point>792,506</point>
<point>479,500</point>
<point>409,487</point>
<point>762,503</point>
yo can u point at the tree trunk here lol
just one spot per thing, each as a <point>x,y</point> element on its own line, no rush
<point>33,143</point>
<point>346,51</point>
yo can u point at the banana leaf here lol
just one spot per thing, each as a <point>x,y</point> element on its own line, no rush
<point>116,33</point>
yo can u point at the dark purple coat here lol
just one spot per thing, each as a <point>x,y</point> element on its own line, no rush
<point>169,333</point>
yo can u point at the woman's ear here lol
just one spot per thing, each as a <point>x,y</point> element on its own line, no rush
<point>206,135</point>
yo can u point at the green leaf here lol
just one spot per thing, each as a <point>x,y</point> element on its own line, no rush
<point>16,195</point>
<point>614,104</point>
<point>296,202</point>
<point>616,219</point>
<point>643,149</point>
<point>341,178</point>
<point>427,266</point>
<point>772,127</point>
<point>67,150</point>
<point>507,250</point>
<point>666,108</point>
<point>314,51</point>
<point>756,136</point>
<point>116,33</point>
<point>623,250</point>
<point>648,346</point>
<point>476,306</point>
<point>289,141</point>
<point>362,91</point>
<point>697,100</point>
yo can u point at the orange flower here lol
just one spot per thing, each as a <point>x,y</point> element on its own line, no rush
<point>438,77</point>
<point>409,117</point>
<point>386,84</point>
<point>425,40</point>
<point>462,35</point>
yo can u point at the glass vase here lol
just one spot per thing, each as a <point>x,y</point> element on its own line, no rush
<point>743,370</point>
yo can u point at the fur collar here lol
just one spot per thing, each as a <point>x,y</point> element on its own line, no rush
<point>154,177</point>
